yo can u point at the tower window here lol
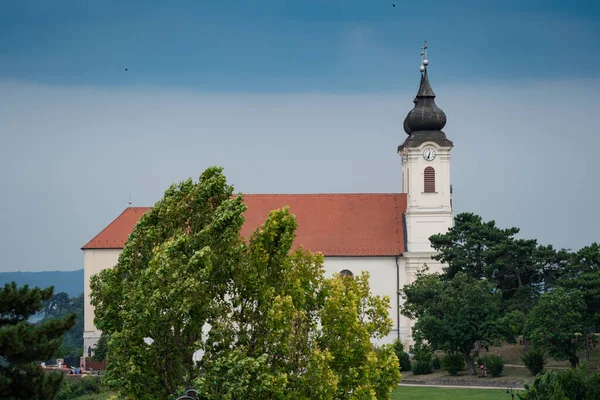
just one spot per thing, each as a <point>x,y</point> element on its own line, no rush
<point>429,177</point>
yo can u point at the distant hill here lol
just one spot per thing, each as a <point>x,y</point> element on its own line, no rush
<point>70,282</point>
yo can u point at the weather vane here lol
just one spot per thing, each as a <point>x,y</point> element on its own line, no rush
<point>424,60</point>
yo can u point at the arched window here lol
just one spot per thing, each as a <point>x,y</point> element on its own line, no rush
<point>429,180</point>
<point>346,273</point>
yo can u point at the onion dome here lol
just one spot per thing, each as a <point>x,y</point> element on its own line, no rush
<point>426,115</point>
<point>424,123</point>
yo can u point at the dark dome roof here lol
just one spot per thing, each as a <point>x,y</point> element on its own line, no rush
<point>426,115</point>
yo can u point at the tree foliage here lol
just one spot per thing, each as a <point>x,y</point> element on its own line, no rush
<point>22,343</point>
<point>517,267</point>
<point>572,384</point>
<point>264,318</point>
<point>554,322</point>
<point>100,350</point>
<point>59,306</point>
<point>582,274</point>
<point>460,314</point>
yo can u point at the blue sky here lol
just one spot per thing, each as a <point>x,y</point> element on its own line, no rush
<point>300,96</point>
<point>292,45</point>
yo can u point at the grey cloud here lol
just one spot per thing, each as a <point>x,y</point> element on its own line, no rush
<point>524,155</point>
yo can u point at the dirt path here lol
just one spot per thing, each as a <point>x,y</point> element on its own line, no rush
<point>457,386</point>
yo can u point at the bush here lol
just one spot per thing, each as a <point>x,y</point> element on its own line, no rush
<point>403,356</point>
<point>534,360</point>
<point>422,351</point>
<point>435,362</point>
<point>398,347</point>
<point>76,387</point>
<point>493,363</point>
<point>453,362</point>
<point>422,367</point>
<point>570,384</point>
<point>404,362</point>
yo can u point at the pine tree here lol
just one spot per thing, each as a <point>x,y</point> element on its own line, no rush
<point>22,343</point>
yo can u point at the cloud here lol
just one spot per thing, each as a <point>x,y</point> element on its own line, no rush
<point>524,154</point>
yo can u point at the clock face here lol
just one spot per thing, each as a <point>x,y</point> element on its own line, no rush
<point>429,154</point>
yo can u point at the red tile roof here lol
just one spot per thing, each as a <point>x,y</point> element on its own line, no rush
<point>334,224</point>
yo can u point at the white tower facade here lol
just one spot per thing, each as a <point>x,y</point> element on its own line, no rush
<point>425,176</point>
<point>426,181</point>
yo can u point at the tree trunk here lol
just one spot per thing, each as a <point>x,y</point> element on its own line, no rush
<point>469,362</point>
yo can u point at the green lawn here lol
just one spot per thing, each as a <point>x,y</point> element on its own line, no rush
<point>431,393</point>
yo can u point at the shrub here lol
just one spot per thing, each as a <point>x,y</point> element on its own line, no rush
<point>398,347</point>
<point>404,362</point>
<point>422,354</point>
<point>422,367</point>
<point>435,362</point>
<point>494,364</point>
<point>76,387</point>
<point>403,356</point>
<point>534,360</point>
<point>453,362</point>
<point>570,384</point>
<point>422,351</point>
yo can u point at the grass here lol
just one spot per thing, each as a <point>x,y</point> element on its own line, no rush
<point>430,393</point>
<point>513,368</point>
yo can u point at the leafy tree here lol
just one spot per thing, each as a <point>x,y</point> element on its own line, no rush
<point>350,317</point>
<point>572,384</point>
<point>551,264</point>
<point>59,306</point>
<point>554,322</point>
<point>21,343</point>
<point>455,315</point>
<point>266,321</point>
<point>471,246</point>
<point>100,351</point>
<point>583,274</point>
<point>169,283</point>
<point>519,268</point>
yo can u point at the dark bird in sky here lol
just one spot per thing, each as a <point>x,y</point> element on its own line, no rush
<point>126,69</point>
<point>393,5</point>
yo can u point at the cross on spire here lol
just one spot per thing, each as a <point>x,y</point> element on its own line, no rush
<point>424,60</point>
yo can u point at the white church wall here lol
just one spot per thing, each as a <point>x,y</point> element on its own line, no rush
<point>382,271</point>
<point>383,280</point>
<point>94,261</point>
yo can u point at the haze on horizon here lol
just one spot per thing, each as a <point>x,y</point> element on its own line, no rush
<point>290,97</point>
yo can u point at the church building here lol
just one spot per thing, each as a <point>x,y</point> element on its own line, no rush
<point>385,234</point>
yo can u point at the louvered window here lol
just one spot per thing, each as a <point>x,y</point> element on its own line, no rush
<point>429,180</point>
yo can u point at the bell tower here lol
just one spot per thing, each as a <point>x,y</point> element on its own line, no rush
<point>425,172</point>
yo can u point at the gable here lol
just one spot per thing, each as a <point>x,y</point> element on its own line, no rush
<point>333,224</point>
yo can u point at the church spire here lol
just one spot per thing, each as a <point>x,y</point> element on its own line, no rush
<point>426,115</point>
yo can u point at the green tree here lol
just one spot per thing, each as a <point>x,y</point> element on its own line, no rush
<point>169,283</point>
<point>59,306</point>
<point>583,274</point>
<point>22,343</point>
<point>572,384</point>
<point>554,322</point>
<point>551,263</point>
<point>517,267</point>
<point>100,350</point>
<point>266,321</point>
<point>461,314</point>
